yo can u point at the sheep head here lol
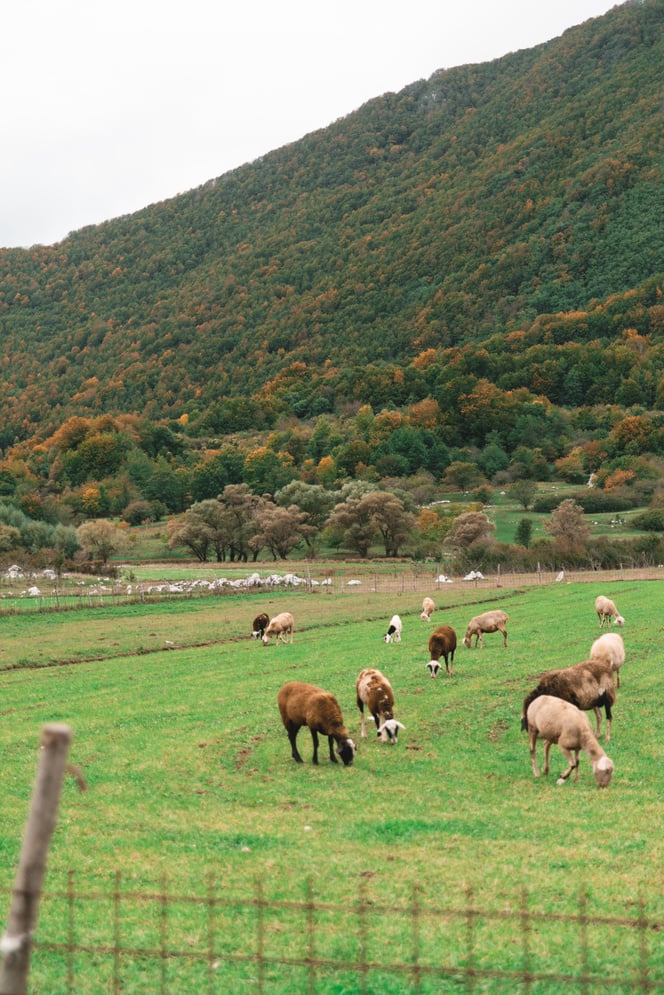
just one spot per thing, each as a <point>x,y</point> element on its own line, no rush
<point>391,727</point>
<point>619,620</point>
<point>603,771</point>
<point>434,667</point>
<point>346,749</point>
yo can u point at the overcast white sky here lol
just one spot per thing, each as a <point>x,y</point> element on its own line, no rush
<point>110,106</point>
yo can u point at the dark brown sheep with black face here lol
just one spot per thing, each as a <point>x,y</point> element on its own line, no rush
<point>261,623</point>
<point>589,685</point>
<point>303,704</point>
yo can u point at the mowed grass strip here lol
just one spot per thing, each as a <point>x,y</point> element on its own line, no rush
<point>190,775</point>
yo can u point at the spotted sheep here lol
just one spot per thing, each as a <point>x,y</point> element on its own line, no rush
<point>373,689</point>
<point>393,634</point>
<point>303,704</point>
<point>558,721</point>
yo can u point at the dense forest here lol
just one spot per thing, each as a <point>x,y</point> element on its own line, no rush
<point>467,273</point>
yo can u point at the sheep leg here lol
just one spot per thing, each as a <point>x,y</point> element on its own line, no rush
<point>573,765</point>
<point>504,632</point>
<point>532,742</point>
<point>314,736</point>
<point>330,741</point>
<point>292,731</point>
<point>450,669</point>
<point>607,709</point>
<point>547,750</point>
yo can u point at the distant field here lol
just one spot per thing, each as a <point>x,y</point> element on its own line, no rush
<point>189,770</point>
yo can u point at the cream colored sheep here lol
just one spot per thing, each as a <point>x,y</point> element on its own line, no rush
<point>428,608</point>
<point>282,626</point>
<point>373,689</point>
<point>493,621</point>
<point>303,704</point>
<point>609,647</point>
<point>558,721</point>
<point>606,610</point>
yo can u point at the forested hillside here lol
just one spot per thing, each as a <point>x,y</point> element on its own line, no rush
<point>475,261</point>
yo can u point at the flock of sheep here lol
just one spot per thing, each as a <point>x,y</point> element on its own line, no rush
<point>553,711</point>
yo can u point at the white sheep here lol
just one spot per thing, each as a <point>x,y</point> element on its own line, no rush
<point>259,626</point>
<point>393,634</point>
<point>606,610</point>
<point>442,642</point>
<point>493,621</point>
<point>282,626</point>
<point>558,721</point>
<point>303,704</point>
<point>428,608</point>
<point>373,689</point>
<point>609,647</point>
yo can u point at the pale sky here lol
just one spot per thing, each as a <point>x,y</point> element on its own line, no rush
<point>109,107</point>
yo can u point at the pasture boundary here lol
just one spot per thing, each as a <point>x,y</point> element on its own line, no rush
<point>426,957</point>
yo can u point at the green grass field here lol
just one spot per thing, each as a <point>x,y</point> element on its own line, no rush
<point>189,775</point>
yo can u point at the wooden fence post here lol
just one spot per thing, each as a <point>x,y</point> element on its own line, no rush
<point>17,940</point>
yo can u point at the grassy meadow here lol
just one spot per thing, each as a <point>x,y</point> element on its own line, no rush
<point>190,777</point>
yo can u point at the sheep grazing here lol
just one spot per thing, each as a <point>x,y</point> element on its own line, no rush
<point>588,685</point>
<point>303,704</point>
<point>261,623</point>
<point>282,626</point>
<point>558,721</point>
<point>609,647</point>
<point>606,610</point>
<point>375,691</point>
<point>428,607</point>
<point>493,621</point>
<point>442,642</point>
<point>393,634</point>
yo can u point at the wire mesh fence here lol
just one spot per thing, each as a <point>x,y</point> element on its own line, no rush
<point>112,937</point>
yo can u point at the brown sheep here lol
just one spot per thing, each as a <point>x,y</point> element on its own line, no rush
<point>261,623</point>
<point>588,685</point>
<point>493,621</point>
<point>558,721</point>
<point>442,642</point>
<point>303,704</point>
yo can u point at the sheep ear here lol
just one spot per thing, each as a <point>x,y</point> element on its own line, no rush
<point>401,725</point>
<point>380,727</point>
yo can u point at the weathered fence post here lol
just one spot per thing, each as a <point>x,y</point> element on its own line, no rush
<point>17,940</point>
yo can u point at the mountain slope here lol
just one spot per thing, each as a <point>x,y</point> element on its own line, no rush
<point>464,206</point>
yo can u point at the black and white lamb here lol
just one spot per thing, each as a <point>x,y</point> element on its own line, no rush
<point>373,689</point>
<point>393,634</point>
<point>558,721</point>
<point>303,704</point>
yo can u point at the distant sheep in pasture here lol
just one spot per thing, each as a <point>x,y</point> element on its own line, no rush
<point>282,626</point>
<point>260,624</point>
<point>393,634</point>
<point>428,608</point>
<point>492,621</point>
<point>606,611</point>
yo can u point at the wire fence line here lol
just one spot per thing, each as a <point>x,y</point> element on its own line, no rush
<point>116,938</point>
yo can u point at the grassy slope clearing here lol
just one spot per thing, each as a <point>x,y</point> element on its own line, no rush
<point>189,769</point>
